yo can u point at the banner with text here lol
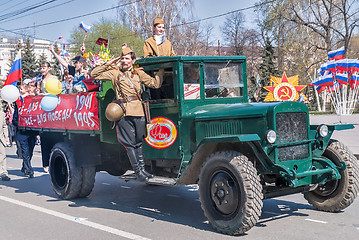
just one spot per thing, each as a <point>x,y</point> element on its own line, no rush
<point>73,111</point>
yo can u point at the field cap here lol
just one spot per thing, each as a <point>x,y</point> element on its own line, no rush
<point>158,20</point>
<point>126,51</point>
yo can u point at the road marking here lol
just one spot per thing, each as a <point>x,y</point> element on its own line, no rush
<point>104,183</point>
<point>126,187</point>
<point>75,219</point>
<point>313,220</point>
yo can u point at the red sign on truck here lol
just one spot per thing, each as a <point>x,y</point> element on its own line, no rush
<point>73,111</point>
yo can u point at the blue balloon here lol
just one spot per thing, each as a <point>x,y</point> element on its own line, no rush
<point>49,102</point>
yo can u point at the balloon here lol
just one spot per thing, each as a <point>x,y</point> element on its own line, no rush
<point>10,93</point>
<point>49,102</point>
<point>53,86</point>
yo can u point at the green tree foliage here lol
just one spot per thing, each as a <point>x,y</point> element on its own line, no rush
<point>42,58</point>
<point>108,29</point>
<point>267,67</point>
<point>55,65</point>
<point>28,59</point>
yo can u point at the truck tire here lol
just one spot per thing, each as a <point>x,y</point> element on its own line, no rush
<point>230,192</point>
<point>66,177</point>
<point>336,195</point>
<point>88,181</point>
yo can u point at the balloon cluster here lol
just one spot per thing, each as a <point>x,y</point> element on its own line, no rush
<point>54,87</point>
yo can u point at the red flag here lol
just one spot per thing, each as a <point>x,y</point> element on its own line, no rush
<point>101,41</point>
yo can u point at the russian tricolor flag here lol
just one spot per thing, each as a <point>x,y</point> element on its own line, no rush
<point>337,54</point>
<point>85,27</point>
<point>15,72</point>
<point>342,78</point>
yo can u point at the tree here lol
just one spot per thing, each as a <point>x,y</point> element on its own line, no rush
<point>139,16</point>
<point>108,29</point>
<point>55,65</point>
<point>42,58</point>
<point>267,67</point>
<point>233,32</point>
<point>28,59</point>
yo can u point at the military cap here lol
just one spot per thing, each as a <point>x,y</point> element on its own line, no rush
<point>126,51</point>
<point>79,59</point>
<point>158,20</point>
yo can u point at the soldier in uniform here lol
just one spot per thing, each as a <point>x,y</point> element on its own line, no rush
<point>127,83</point>
<point>158,45</point>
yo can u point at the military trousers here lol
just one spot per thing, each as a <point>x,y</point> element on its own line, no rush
<point>130,131</point>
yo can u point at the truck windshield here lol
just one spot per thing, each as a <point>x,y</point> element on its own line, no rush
<point>223,80</point>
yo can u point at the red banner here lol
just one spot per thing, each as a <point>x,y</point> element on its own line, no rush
<point>74,111</point>
<point>101,41</point>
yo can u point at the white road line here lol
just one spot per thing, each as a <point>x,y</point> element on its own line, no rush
<point>126,187</point>
<point>313,220</point>
<point>74,219</point>
<point>104,183</point>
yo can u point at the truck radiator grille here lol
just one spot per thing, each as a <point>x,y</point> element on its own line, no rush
<point>221,128</point>
<point>291,127</point>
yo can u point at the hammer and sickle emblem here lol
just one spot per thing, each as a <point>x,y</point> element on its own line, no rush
<point>285,92</point>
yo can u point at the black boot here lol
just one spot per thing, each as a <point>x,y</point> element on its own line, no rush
<point>141,162</point>
<point>134,163</point>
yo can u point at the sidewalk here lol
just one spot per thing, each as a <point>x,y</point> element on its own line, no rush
<point>349,137</point>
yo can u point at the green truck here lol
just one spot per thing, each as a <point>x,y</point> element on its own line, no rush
<point>204,131</point>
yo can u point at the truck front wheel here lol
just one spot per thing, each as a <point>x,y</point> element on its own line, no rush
<point>230,192</point>
<point>336,195</point>
<point>66,177</point>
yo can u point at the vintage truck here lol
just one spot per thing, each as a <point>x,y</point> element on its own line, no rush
<point>203,131</point>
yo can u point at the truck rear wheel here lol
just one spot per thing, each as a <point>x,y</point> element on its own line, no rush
<point>88,180</point>
<point>336,195</point>
<point>66,177</point>
<point>230,192</point>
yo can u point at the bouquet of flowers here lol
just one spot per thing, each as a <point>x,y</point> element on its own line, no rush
<point>101,58</point>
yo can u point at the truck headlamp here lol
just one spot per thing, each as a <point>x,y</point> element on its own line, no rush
<point>271,136</point>
<point>323,130</point>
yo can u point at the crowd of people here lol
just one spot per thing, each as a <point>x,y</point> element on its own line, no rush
<point>126,80</point>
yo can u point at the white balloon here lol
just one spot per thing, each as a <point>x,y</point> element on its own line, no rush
<point>10,93</point>
<point>49,102</point>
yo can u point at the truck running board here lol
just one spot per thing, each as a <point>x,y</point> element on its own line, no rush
<point>156,180</point>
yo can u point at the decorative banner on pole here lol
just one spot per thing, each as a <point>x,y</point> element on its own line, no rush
<point>101,41</point>
<point>284,89</point>
<point>74,111</point>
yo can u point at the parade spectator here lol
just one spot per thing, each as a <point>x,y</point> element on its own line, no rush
<point>127,83</point>
<point>158,45</point>
<point>3,138</point>
<point>67,83</point>
<point>26,138</point>
<point>76,71</point>
<point>9,112</point>
<point>45,72</point>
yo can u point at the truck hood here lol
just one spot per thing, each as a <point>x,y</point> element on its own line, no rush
<point>236,110</point>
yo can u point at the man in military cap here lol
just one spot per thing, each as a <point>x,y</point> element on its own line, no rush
<point>127,83</point>
<point>158,45</point>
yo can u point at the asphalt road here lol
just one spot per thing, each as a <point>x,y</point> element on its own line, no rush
<point>29,209</point>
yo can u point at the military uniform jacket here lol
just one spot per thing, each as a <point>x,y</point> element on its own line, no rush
<point>121,83</point>
<point>151,49</point>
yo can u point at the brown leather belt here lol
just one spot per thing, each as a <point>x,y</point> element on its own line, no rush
<point>126,99</point>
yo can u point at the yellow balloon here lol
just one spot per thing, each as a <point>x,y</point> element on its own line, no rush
<point>53,86</point>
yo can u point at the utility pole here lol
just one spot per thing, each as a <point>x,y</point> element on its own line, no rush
<point>219,48</point>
